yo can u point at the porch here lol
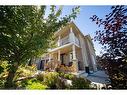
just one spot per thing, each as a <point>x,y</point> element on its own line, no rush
<point>67,58</point>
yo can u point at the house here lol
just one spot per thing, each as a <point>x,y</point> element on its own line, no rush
<point>74,52</point>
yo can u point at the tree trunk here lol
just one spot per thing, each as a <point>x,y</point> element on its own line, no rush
<point>9,84</point>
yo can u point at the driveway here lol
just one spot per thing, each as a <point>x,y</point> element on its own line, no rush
<point>98,77</point>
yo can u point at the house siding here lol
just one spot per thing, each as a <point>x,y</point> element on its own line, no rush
<point>83,49</point>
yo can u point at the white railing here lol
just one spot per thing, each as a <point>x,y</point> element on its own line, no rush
<point>76,40</point>
<point>64,41</point>
<point>67,40</point>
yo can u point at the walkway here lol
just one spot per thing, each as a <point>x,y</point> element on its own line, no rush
<point>99,77</point>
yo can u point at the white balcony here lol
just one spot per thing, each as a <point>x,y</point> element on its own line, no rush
<point>68,39</point>
<point>76,40</point>
<point>64,40</point>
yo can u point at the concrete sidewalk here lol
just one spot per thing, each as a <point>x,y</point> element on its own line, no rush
<point>98,77</point>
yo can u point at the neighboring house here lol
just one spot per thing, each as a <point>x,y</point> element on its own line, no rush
<point>73,52</point>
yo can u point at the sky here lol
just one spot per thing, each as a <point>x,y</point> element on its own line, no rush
<point>84,23</point>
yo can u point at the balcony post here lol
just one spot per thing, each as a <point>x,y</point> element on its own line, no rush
<point>71,36</point>
<point>59,41</point>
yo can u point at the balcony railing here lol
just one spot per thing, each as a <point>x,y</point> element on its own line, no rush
<point>64,40</point>
<point>76,40</point>
<point>67,40</point>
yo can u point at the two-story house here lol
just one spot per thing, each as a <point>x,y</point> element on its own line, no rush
<point>73,52</point>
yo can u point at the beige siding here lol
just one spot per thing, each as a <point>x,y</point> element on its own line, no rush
<point>83,49</point>
<point>91,54</point>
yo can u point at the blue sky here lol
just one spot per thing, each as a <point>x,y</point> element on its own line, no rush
<point>85,24</point>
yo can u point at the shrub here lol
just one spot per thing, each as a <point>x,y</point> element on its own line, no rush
<point>50,79</point>
<point>3,73</point>
<point>36,85</point>
<point>80,83</point>
<point>69,76</point>
<point>60,83</point>
<point>31,84</point>
<point>61,74</point>
<point>2,84</point>
<point>25,71</point>
<point>40,77</point>
<point>1,69</point>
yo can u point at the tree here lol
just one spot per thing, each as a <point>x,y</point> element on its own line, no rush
<point>26,32</point>
<point>113,37</point>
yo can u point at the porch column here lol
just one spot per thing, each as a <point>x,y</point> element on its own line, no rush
<point>75,61</point>
<point>74,52</point>
<point>59,41</point>
<point>49,57</point>
<point>59,55</point>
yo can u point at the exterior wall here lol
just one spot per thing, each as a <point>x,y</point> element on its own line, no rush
<point>67,56</point>
<point>91,54</point>
<point>88,52</point>
<point>84,51</point>
<point>80,59</point>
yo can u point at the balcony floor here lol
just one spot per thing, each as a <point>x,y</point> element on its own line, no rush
<point>64,48</point>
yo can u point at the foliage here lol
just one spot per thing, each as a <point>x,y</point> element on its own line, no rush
<point>61,74</point>
<point>114,31</point>
<point>113,37</point>
<point>40,77</point>
<point>25,71</point>
<point>116,70</point>
<point>2,84</point>
<point>31,84</point>
<point>26,32</point>
<point>60,83</point>
<point>3,73</point>
<point>80,83</point>
<point>53,80</point>
<point>34,84</point>
<point>69,76</point>
<point>50,79</point>
<point>63,68</point>
<point>2,67</point>
<point>99,63</point>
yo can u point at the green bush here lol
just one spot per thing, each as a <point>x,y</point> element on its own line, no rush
<point>3,73</point>
<point>31,84</point>
<point>2,84</point>
<point>36,85</point>
<point>1,69</point>
<point>25,71</point>
<point>69,76</point>
<point>61,74</point>
<point>50,79</point>
<point>40,77</point>
<point>60,84</point>
<point>80,83</point>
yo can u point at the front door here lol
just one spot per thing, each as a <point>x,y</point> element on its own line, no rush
<point>71,56</point>
<point>62,58</point>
